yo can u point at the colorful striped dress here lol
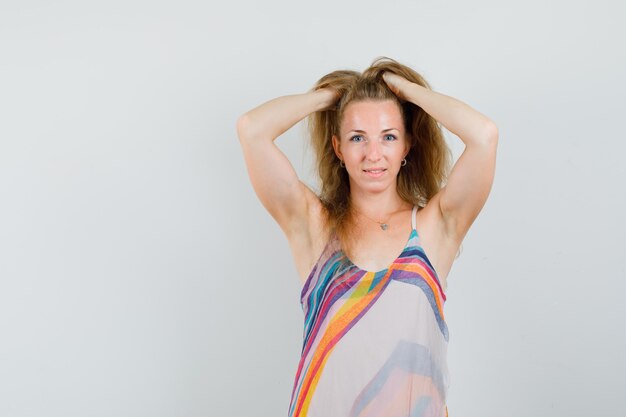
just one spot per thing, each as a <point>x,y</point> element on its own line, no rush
<point>375,343</point>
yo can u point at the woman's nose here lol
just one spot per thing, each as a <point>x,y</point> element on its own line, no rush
<point>373,150</point>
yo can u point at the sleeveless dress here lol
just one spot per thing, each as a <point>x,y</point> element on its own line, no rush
<point>375,343</point>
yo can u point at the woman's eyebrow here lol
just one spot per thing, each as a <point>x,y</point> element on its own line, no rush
<point>382,131</point>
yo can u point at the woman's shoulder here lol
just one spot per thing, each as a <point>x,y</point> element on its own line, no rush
<point>310,237</point>
<point>430,219</point>
<point>441,247</point>
<point>310,217</point>
<point>320,228</point>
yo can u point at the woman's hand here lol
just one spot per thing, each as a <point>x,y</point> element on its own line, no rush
<point>329,97</point>
<point>398,84</point>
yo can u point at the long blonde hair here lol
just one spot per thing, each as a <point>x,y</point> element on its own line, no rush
<point>428,160</point>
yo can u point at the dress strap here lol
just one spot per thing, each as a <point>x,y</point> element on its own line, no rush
<point>413,217</point>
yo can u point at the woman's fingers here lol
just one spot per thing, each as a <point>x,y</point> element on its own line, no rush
<point>332,96</point>
<point>396,83</point>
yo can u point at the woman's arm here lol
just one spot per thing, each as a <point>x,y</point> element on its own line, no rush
<point>273,178</point>
<point>470,180</point>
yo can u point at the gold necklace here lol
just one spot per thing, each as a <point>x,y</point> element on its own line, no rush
<point>383,225</point>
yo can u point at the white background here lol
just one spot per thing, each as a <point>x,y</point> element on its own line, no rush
<point>140,276</point>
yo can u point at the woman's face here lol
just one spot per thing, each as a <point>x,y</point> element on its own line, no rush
<point>372,144</point>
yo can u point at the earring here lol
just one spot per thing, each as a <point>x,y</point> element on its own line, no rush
<point>403,163</point>
<point>341,164</point>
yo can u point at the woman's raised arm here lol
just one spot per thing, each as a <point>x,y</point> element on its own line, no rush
<point>470,180</point>
<point>273,178</point>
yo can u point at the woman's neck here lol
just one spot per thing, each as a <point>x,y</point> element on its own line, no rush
<point>378,205</point>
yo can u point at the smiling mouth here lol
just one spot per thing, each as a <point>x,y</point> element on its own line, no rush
<point>375,173</point>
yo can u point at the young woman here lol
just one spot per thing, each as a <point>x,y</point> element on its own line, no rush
<point>374,248</point>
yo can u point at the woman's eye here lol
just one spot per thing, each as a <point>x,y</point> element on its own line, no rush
<point>390,137</point>
<point>356,138</point>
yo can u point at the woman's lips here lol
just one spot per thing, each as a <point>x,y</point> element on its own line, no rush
<point>375,172</point>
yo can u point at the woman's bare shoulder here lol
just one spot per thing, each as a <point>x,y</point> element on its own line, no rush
<point>440,247</point>
<point>308,240</point>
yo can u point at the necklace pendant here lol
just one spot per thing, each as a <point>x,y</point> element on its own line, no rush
<point>384,226</point>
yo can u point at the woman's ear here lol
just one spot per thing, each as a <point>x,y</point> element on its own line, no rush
<point>337,147</point>
<point>408,141</point>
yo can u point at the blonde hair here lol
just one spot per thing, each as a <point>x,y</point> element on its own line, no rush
<point>429,157</point>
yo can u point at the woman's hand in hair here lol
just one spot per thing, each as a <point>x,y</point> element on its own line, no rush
<point>329,95</point>
<point>397,84</point>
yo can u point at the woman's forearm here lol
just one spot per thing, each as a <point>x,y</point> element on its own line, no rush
<point>273,118</point>
<point>468,124</point>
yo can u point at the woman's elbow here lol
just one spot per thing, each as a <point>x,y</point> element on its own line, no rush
<point>243,126</point>
<point>491,133</point>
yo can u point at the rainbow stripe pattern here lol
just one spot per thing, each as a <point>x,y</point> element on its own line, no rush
<point>374,343</point>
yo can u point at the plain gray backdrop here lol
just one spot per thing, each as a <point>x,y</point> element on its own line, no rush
<point>140,276</point>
